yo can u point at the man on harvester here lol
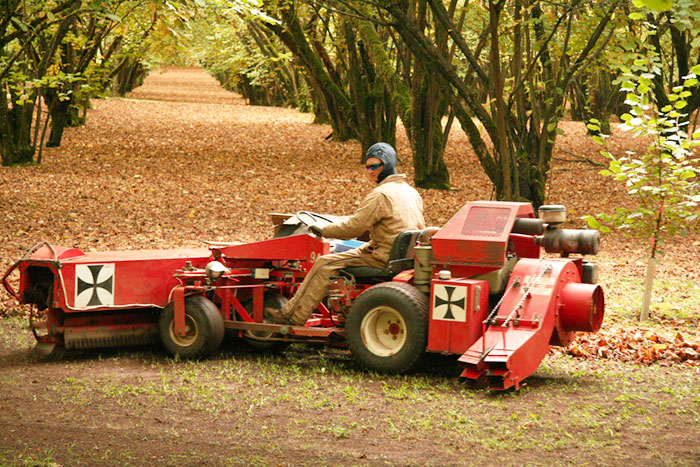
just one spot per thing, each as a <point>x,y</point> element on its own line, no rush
<point>393,206</point>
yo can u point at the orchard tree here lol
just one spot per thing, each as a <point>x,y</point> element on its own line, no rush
<point>308,45</point>
<point>337,64</point>
<point>414,89</point>
<point>675,40</point>
<point>359,76</point>
<point>503,67</point>
<point>247,58</point>
<point>59,53</point>
<point>30,36</point>
<point>664,181</point>
<point>534,51</point>
<point>77,52</point>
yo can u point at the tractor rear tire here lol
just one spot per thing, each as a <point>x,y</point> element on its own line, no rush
<point>205,328</point>
<point>255,338</point>
<point>387,327</point>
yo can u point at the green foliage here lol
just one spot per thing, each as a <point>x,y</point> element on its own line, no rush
<point>63,52</point>
<point>250,10</point>
<point>29,46</point>
<point>243,58</point>
<point>656,5</point>
<point>664,180</point>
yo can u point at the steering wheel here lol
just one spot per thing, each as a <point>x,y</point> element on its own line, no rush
<point>314,217</point>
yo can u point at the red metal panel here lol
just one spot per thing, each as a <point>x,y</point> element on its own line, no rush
<point>258,303</point>
<point>525,246</point>
<point>139,255</point>
<point>56,253</point>
<point>179,311</point>
<point>478,233</point>
<point>513,346</point>
<point>298,247</point>
<point>458,308</point>
<point>123,279</point>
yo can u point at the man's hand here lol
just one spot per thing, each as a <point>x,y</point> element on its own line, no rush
<point>316,229</point>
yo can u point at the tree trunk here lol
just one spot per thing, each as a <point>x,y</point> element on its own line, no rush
<point>648,287</point>
<point>429,107</point>
<point>509,189</point>
<point>428,141</point>
<point>594,96</point>
<point>336,101</point>
<point>678,63</point>
<point>16,123</point>
<point>129,77</point>
<point>395,90</point>
<point>285,73</point>
<point>59,120</point>
<point>15,130</point>
<point>321,116</point>
<point>15,154</point>
<point>651,265</point>
<point>419,103</point>
<point>374,111</point>
<point>521,157</point>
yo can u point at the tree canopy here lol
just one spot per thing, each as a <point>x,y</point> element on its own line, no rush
<point>507,71</point>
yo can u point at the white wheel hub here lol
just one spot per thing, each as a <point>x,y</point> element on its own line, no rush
<point>191,332</point>
<point>383,331</point>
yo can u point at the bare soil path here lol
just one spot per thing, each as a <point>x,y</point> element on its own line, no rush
<point>180,161</point>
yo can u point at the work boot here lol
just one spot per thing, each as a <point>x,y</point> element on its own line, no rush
<point>275,316</point>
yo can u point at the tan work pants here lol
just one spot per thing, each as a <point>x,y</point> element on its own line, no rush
<point>318,281</point>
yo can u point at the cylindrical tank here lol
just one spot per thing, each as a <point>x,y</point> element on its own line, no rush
<point>566,241</point>
<point>583,306</point>
<point>423,271</point>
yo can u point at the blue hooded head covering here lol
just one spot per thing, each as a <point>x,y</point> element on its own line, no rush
<point>385,153</point>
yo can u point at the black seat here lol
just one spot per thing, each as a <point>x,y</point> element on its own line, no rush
<point>400,259</point>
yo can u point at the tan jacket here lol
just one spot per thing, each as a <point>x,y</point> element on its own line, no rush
<point>392,207</point>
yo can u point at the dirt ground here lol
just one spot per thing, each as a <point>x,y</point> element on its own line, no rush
<point>316,407</point>
<point>180,161</point>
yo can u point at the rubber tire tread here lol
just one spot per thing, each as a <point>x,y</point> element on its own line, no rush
<point>209,321</point>
<point>413,306</point>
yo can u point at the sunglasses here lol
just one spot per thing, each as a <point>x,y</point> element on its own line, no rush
<point>373,166</point>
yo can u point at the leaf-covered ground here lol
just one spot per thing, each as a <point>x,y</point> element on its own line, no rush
<point>181,161</point>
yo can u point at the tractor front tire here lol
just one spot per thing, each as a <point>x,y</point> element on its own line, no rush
<point>387,327</point>
<point>204,328</point>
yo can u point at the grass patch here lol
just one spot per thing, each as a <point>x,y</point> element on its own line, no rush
<point>306,404</point>
<point>675,299</point>
<point>15,333</point>
<point>586,409</point>
<point>25,458</point>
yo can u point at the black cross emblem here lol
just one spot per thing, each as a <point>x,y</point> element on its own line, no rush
<point>106,285</point>
<point>458,303</point>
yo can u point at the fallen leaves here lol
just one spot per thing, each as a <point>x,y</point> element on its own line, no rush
<point>635,345</point>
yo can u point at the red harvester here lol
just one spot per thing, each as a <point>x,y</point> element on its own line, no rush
<point>478,287</point>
